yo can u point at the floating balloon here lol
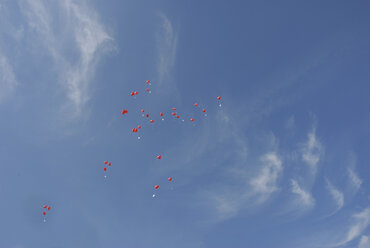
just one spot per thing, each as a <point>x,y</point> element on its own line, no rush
<point>48,208</point>
<point>147,89</point>
<point>196,104</point>
<point>156,186</point>
<point>44,213</point>
<point>109,164</point>
<point>45,206</point>
<point>132,93</point>
<point>139,127</point>
<point>219,98</point>
<point>136,93</point>
<point>204,110</point>
<point>142,111</point>
<point>177,116</point>
<point>147,115</point>
<point>170,179</point>
<point>159,157</point>
<point>191,119</point>
<point>105,169</point>
<point>147,81</point>
<point>161,114</point>
<point>105,162</point>
<point>173,113</point>
<point>124,111</point>
<point>174,109</point>
<point>151,121</point>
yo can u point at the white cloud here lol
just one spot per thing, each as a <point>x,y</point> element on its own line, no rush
<point>361,222</point>
<point>7,78</point>
<point>166,43</point>
<point>290,123</point>
<point>355,181</point>
<point>364,242</point>
<point>337,195</point>
<point>265,183</point>
<point>304,198</point>
<point>312,151</point>
<point>76,27</point>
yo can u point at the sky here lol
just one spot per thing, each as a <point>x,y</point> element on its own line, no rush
<point>282,163</point>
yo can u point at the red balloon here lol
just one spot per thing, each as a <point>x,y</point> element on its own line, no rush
<point>204,110</point>
<point>147,115</point>
<point>44,213</point>
<point>48,208</point>
<point>159,156</point>
<point>109,164</point>
<point>196,104</point>
<point>44,206</point>
<point>156,187</point>
<point>177,116</point>
<point>191,119</point>
<point>142,110</point>
<point>132,93</point>
<point>124,111</point>
<point>170,179</point>
<point>174,109</point>
<point>161,114</point>
<point>105,162</point>
<point>147,81</point>
<point>134,130</point>
<point>139,127</point>
<point>173,114</point>
<point>147,90</point>
<point>136,93</point>
<point>105,169</point>
<point>151,121</point>
<point>218,98</point>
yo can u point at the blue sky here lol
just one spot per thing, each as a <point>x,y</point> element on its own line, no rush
<point>283,163</point>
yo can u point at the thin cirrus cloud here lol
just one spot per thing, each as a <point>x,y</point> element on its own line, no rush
<point>337,196</point>
<point>304,197</point>
<point>75,25</point>
<point>354,179</point>
<point>361,221</point>
<point>265,183</point>
<point>166,45</point>
<point>229,202</point>
<point>364,242</point>
<point>312,151</point>
<point>8,80</point>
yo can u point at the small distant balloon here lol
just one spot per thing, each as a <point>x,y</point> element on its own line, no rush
<point>156,186</point>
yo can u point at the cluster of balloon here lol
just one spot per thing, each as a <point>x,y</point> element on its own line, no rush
<point>175,115</point>
<point>45,207</point>
<point>105,167</point>
<point>156,187</point>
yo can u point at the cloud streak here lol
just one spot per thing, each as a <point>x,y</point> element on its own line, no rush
<point>8,80</point>
<point>304,197</point>
<point>166,44</point>
<point>337,196</point>
<point>312,151</point>
<point>75,38</point>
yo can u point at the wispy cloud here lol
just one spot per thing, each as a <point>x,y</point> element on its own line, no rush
<point>304,197</point>
<point>364,242</point>
<point>312,151</point>
<point>360,222</point>
<point>354,179</point>
<point>75,26</point>
<point>265,183</point>
<point>7,78</point>
<point>166,43</point>
<point>337,196</point>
